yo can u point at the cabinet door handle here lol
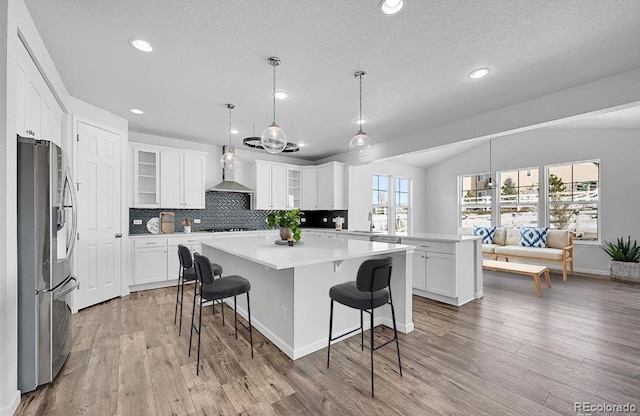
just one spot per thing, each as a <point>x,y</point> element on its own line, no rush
<point>150,244</point>
<point>30,132</point>
<point>424,246</point>
<point>118,235</point>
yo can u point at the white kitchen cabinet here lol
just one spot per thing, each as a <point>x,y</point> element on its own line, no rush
<point>150,264</point>
<point>38,112</point>
<point>271,186</point>
<point>446,271</point>
<point>294,188</point>
<point>146,177</point>
<point>181,180</point>
<point>309,188</point>
<point>165,177</point>
<point>331,186</point>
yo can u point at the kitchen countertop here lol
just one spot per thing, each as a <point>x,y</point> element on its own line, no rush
<point>264,251</point>
<point>411,236</point>
<point>201,233</point>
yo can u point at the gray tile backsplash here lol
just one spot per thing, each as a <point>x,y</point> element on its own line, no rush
<point>224,210</point>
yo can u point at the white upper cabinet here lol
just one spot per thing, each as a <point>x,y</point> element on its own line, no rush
<point>331,186</point>
<point>271,185</point>
<point>193,184</point>
<point>294,187</point>
<point>38,113</point>
<point>167,178</point>
<point>309,188</point>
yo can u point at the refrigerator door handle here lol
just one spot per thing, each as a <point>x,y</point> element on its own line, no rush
<point>74,213</point>
<point>69,289</point>
<point>64,282</point>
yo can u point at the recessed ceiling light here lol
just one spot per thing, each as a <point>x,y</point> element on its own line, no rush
<point>234,131</point>
<point>281,95</point>
<point>136,111</point>
<point>141,45</point>
<point>479,73</point>
<point>360,121</point>
<point>390,7</point>
<point>301,145</point>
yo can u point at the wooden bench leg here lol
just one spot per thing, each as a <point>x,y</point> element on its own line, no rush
<point>547,278</point>
<point>564,271</point>
<point>571,264</point>
<point>536,280</point>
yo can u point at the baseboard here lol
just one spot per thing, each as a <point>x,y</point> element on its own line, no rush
<point>154,285</point>
<point>12,405</point>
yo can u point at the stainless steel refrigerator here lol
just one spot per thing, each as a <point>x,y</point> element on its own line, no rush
<point>47,225</point>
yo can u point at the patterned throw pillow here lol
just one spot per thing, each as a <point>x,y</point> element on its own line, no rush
<point>486,233</point>
<point>533,237</point>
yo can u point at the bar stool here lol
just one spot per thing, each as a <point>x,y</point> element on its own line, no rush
<point>186,273</point>
<point>370,290</point>
<point>217,289</point>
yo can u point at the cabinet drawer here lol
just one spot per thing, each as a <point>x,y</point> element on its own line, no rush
<point>187,241</point>
<point>150,242</point>
<point>432,246</point>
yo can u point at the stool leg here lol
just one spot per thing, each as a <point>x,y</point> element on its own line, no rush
<point>181,300</point>
<point>193,314</point>
<point>330,326</point>
<point>371,352</point>
<point>199,336</point>
<point>222,310</point>
<point>395,331</point>
<point>250,330</point>
<point>235,316</point>
<point>361,332</point>
<point>175,315</point>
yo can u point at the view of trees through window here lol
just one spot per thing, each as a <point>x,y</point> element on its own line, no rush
<point>519,195</point>
<point>574,192</point>
<point>380,208</point>
<point>402,205</point>
<point>475,201</point>
<point>398,204</point>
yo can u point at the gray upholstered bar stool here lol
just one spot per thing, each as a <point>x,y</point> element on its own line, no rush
<point>187,273</point>
<point>370,291</point>
<point>211,289</point>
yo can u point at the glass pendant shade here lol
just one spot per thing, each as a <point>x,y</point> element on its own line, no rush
<point>361,145</point>
<point>229,160</point>
<point>273,139</point>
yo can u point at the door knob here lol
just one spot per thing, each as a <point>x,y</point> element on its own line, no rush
<point>118,235</point>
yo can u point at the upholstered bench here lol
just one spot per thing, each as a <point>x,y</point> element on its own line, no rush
<point>506,245</point>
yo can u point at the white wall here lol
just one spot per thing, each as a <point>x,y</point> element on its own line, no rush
<point>617,150</point>
<point>213,171</point>
<point>360,192</point>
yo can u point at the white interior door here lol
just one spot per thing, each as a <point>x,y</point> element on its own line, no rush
<point>98,253</point>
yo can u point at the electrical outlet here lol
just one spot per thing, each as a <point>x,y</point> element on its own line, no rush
<point>303,219</point>
<point>137,222</point>
<point>324,220</point>
<point>283,312</point>
<point>333,220</point>
<point>197,221</point>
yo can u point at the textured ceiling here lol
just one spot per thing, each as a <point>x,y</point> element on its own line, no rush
<point>212,52</point>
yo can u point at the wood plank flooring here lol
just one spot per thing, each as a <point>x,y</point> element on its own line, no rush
<point>509,353</point>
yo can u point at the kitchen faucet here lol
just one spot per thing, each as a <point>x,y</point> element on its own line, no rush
<point>370,218</point>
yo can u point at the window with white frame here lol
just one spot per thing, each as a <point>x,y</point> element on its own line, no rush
<point>573,198</point>
<point>519,192</point>
<point>475,201</point>
<point>402,205</point>
<point>380,210</point>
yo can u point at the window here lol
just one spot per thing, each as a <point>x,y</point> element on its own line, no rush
<point>475,201</point>
<point>380,211</point>
<point>573,198</point>
<point>402,205</point>
<point>519,195</point>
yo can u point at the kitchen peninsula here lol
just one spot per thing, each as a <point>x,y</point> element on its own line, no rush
<point>290,286</point>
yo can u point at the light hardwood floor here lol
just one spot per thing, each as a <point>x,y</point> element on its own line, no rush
<point>508,353</point>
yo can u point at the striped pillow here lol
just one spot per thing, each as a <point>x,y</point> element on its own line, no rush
<point>486,233</point>
<point>533,237</point>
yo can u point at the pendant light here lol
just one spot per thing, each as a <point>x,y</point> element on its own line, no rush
<point>361,144</point>
<point>229,160</point>
<point>274,139</point>
<point>489,183</point>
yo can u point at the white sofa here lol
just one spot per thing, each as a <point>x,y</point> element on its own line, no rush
<point>506,244</point>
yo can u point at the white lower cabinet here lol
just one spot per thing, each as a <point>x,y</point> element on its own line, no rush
<point>156,258</point>
<point>151,265</point>
<point>444,270</point>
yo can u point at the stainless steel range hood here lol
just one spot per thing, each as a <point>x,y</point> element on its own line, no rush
<point>228,183</point>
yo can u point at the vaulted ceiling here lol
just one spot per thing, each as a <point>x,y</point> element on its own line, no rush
<point>209,53</point>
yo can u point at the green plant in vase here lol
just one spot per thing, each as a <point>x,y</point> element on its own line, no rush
<point>288,221</point>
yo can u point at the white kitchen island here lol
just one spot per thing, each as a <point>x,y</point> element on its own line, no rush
<point>290,286</point>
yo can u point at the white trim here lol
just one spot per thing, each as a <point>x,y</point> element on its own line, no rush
<point>11,406</point>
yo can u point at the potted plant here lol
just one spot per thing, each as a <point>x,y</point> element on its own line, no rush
<point>289,223</point>
<point>186,224</point>
<point>624,259</point>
